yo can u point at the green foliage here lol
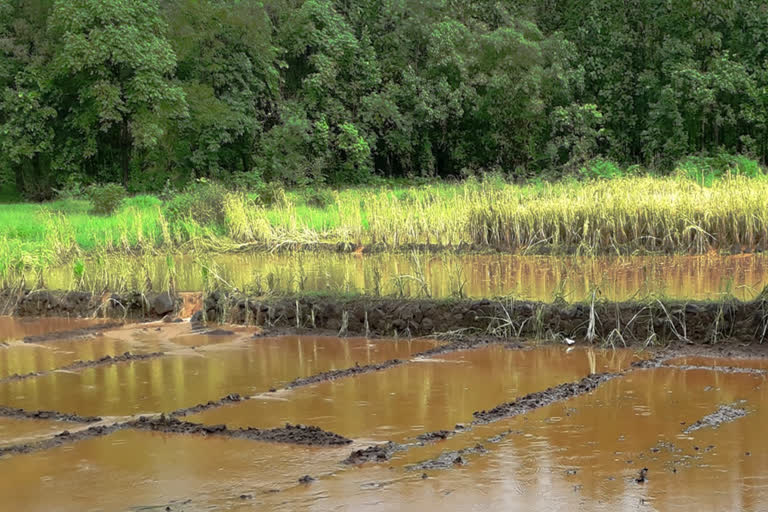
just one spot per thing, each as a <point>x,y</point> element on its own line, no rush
<point>202,202</point>
<point>318,197</point>
<point>106,199</point>
<point>600,168</point>
<point>322,92</point>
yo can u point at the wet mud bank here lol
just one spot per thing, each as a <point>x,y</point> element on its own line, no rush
<point>289,434</point>
<point>617,323</point>
<point>132,305</point>
<point>10,412</point>
<point>539,399</point>
<point>64,437</point>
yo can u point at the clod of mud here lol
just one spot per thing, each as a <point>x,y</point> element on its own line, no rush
<point>447,460</point>
<point>80,365</point>
<point>724,414</point>
<point>59,439</point>
<point>83,332</point>
<point>10,412</point>
<point>374,453</point>
<point>435,436</point>
<point>503,435</point>
<point>289,434</point>
<point>541,398</point>
<point>229,399</point>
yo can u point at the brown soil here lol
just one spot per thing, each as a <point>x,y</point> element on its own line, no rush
<point>10,412</point>
<point>289,434</point>
<point>625,322</point>
<point>447,460</point>
<point>723,414</point>
<point>542,398</point>
<point>229,399</point>
<point>59,439</point>
<point>374,453</point>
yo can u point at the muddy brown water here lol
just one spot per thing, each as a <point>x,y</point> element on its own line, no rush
<point>427,395</point>
<point>15,328</point>
<point>187,376</point>
<point>476,275</point>
<point>584,453</point>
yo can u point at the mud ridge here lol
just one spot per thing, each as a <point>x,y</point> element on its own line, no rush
<point>721,369</point>
<point>289,434</point>
<point>447,460</point>
<point>723,414</point>
<point>232,398</point>
<point>539,399</point>
<point>10,412</point>
<point>375,367</point>
<point>59,439</point>
<point>83,332</point>
<point>374,453</point>
<point>80,365</point>
<point>346,372</point>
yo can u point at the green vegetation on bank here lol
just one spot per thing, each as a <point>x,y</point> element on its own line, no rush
<point>691,211</point>
<point>156,94</point>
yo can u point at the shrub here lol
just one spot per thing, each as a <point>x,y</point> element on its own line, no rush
<point>203,202</point>
<point>599,168</point>
<point>142,202</point>
<point>319,197</point>
<point>272,194</point>
<point>106,199</point>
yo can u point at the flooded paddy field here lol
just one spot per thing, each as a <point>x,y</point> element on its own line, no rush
<point>401,424</point>
<point>695,277</point>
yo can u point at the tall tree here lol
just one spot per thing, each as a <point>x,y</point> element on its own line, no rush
<point>114,67</point>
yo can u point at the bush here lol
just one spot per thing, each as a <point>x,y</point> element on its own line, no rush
<point>318,197</point>
<point>706,169</point>
<point>106,199</point>
<point>599,168</point>
<point>142,202</point>
<point>202,202</point>
<point>272,194</point>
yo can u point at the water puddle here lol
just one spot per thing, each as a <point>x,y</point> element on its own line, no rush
<point>422,396</point>
<point>12,328</point>
<point>720,362</point>
<point>17,431</point>
<point>588,453</point>
<point>131,470</point>
<point>20,358</point>
<point>197,376</point>
<point>476,275</point>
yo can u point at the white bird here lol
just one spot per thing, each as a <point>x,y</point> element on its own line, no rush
<point>569,341</point>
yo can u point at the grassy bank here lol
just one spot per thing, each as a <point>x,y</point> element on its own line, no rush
<point>627,214</point>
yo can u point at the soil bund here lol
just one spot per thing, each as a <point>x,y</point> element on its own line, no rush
<point>618,323</point>
<point>289,434</point>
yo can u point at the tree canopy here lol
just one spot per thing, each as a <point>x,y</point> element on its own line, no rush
<point>158,92</point>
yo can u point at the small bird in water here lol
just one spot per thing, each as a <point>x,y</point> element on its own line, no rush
<point>569,341</point>
<point>643,474</point>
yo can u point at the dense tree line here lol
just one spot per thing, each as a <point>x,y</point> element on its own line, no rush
<point>157,92</point>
